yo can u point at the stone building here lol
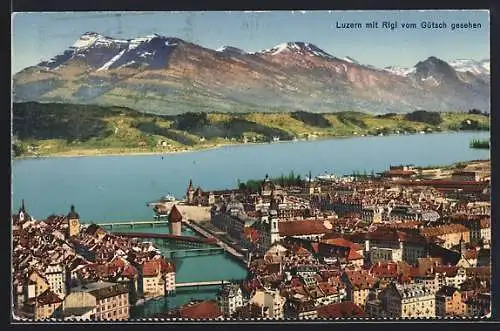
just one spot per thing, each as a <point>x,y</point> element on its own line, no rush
<point>271,301</point>
<point>450,302</point>
<point>158,278</point>
<point>56,277</point>
<point>230,298</point>
<point>358,284</point>
<point>408,301</point>
<point>451,234</point>
<point>107,301</point>
<point>175,221</point>
<point>386,244</point>
<point>43,306</point>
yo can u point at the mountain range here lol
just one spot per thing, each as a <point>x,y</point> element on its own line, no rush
<point>168,75</point>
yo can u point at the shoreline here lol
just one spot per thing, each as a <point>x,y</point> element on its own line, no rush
<point>97,153</point>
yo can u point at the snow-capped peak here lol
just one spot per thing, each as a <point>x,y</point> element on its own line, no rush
<point>297,47</point>
<point>481,67</point>
<point>400,71</point>
<point>86,40</point>
<point>152,50</point>
<point>231,50</point>
<point>89,39</point>
<point>350,60</point>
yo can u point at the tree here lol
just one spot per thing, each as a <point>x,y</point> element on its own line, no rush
<point>432,118</point>
<point>18,149</point>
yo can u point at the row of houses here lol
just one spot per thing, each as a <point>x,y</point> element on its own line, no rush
<point>63,270</point>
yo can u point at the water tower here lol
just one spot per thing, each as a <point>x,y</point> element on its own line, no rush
<point>175,221</point>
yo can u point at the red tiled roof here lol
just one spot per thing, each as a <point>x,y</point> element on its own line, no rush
<point>327,288</point>
<point>444,182</point>
<point>151,268</point>
<point>167,266</point>
<point>248,311</point>
<point>302,227</point>
<point>393,235</point>
<point>251,234</point>
<point>339,310</point>
<point>129,271</point>
<point>48,298</point>
<point>449,270</point>
<point>485,223</point>
<point>92,229</point>
<point>384,270</point>
<point>353,255</point>
<point>117,262</point>
<point>301,251</point>
<point>295,282</point>
<point>426,263</point>
<point>201,310</point>
<point>342,242</point>
<point>360,279</point>
<point>398,172</point>
<point>175,215</point>
<point>414,272</point>
<point>444,229</point>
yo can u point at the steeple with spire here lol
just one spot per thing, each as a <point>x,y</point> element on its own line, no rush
<point>190,192</point>
<point>72,213</point>
<point>22,209</point>
<point>462,245</point>
<point>73,222</point>
<point>22,212</point>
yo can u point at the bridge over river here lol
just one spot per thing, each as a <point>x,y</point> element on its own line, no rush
<point>207,283</point>
<point>132,224</point>
<point>190,245</point>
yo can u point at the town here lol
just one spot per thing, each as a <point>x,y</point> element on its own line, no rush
<point>405,243</point>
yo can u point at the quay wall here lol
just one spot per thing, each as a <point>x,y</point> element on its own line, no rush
<point>232,252</point>
<point>192,213</point>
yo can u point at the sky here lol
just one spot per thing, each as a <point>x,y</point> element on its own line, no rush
<point>40,36</point>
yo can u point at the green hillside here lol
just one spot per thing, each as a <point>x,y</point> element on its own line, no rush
<point>67,129</point>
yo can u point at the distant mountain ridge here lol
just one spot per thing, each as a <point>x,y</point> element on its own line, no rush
<point>168,75</point>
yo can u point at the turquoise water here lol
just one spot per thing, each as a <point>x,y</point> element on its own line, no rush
<point>118,187</point>
<point>197,268</point>
<point>183,296</point>
<point>188,269</point>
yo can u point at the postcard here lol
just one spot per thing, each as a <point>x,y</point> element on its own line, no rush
<point>258,165</point>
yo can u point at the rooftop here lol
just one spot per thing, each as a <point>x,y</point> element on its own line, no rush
<point>339,310</point>
<point>302,227</point>
<point>201,310</point>
<point>101,290</point>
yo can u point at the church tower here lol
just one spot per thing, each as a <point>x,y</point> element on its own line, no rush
<point>211,198</point>
<point>463,248</point>
<point>22,212</point>
<point>175,221</point>
<point>275,236</point>
<point>190,192</point>
<point>73,222</point>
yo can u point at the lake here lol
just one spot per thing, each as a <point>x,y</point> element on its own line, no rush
<point>106,188</point>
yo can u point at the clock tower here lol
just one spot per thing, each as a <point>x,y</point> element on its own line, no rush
<point>73,222</point>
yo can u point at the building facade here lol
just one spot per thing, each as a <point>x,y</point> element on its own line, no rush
<point>271,301</point>
<point>449,302</point>
<point>56,277</point>
<point>408,301</point>
<point>110,301</point>
<point>230,298</point>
